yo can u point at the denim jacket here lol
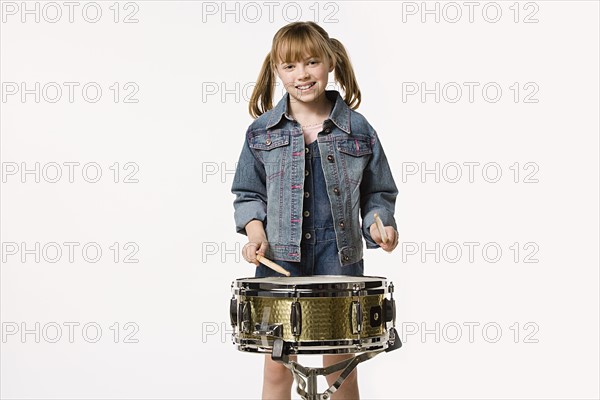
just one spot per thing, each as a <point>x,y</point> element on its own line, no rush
<point>269,179</point>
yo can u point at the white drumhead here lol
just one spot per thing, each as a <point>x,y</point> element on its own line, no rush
<point>315,279</point>
<point>308,280</point>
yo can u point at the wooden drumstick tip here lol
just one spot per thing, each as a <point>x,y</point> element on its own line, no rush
<point>381,228</point>
<point>272,265</point>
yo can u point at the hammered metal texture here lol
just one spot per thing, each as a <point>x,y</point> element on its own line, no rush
<point>322,318</point>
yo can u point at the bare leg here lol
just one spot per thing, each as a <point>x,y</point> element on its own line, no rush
<point>349,389</point>
<point>277,380</point>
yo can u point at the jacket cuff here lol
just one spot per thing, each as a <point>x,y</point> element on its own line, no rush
<point>386,217</point>
<point>246,213</point>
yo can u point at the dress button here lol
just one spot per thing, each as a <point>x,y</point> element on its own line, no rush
<point>306,150</point>
<point>336,191</point>
<point>268,142</point>
<point>306,213</point>
<point>330,158</point>
<point>306,194</point>
<point>307,235</point>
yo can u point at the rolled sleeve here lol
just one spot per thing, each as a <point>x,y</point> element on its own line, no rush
<point>378,192</point>
<point>249,187</point>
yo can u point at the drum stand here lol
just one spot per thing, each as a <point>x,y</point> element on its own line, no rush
<point>306,377</point>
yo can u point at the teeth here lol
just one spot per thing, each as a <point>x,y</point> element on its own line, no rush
<point>305,87</point>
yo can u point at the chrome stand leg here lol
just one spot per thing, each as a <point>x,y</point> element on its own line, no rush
<point>312,385</point>
<point>306,377</point>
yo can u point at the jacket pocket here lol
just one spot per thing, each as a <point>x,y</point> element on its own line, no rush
<point>354,155</point>
<point>273,149</point>
<point>355,147</point>
<point>270,140</point>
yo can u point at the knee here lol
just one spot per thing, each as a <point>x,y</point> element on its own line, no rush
<point>329,360</point>
<point>277,374</point>
<point>351,379</point>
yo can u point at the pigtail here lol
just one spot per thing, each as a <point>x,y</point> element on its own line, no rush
<point>344,74</point>
<point>262,96</point>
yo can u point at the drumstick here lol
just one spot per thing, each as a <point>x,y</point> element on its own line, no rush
<point>272,265</point>
<point>381,228</point>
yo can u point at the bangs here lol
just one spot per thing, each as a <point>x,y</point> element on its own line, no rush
<point>296,46</point>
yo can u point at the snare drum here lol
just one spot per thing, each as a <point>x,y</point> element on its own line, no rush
<point>313,314</point>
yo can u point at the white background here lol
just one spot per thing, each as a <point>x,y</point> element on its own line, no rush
<point>185,141</point>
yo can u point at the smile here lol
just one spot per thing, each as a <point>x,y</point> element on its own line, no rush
<point>307,86</point>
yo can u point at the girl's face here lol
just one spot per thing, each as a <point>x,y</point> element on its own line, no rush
<point>305,80</point>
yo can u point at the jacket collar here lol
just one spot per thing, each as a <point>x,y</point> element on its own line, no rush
<point>340,114</point>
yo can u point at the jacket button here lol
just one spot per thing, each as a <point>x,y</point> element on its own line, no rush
<point>346,258</point>
<point>336,191</point>
<point>306,172</point>
<point>306,213</point>
<point>327,130</point>
<point>268,142</point>
<point>307,235</point>
<point>341,224</point>
<point>330,158</point>
<point>306,150</point>
<point>306,194</point>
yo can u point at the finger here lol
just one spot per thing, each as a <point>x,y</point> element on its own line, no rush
<point>245,251</point>
<point>250,253</point>
<point>393,234</point>
<point>375,235</point>
<point>396,238</point>
<point>389,246</point>
<point>253,259</point>
<point>262,248</point>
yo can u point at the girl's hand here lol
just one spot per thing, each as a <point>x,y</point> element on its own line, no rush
<point>257,242</point>
<point>252,248</point>
<point>392,235</point>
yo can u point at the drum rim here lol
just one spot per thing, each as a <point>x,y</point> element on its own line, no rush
<point>372,343</point>
<point>375,285</point>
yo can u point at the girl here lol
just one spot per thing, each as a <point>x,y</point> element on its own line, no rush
<point>308,167</point>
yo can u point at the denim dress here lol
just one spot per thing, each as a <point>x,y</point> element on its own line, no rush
<point>319,251</point>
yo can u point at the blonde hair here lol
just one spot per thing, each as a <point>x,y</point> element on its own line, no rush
<point>290,44</point>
